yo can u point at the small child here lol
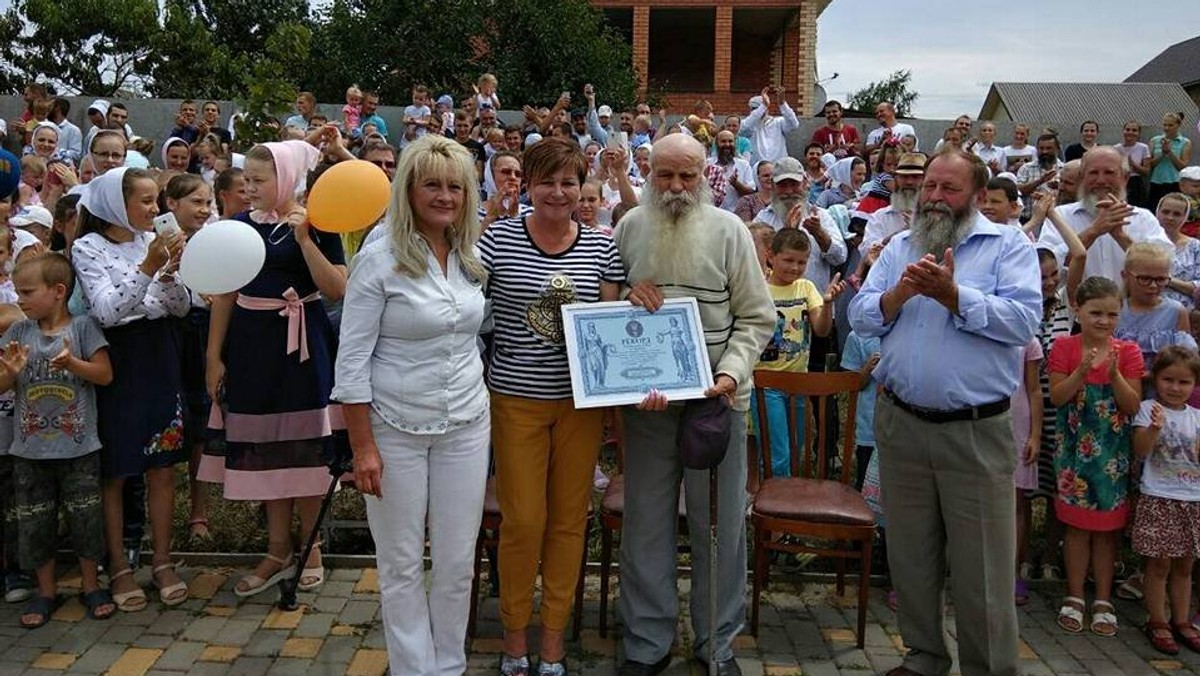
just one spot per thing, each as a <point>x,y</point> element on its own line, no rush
<point>1166,522</point>
<point>444,114</point>
<point>862,355</point>
<point>1095,382</point>
<point>1027,439</point>
<point>352,111</point>
<point>800,310</point>
<point>1147,317</point>
<point>762,234</point>
<point>33,172</point>
<point>641,131</point>
<point>416,116</point>
<point>485,92</point>
<point>53,360</point>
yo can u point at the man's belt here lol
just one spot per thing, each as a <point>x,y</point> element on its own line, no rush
<point>939,416</point>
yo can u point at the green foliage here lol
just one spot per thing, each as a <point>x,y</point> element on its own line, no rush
<point>80,46</point>
<point>894,88</point>
<point>261,51</point>
<point>269,91</point>
<point>539,49</point>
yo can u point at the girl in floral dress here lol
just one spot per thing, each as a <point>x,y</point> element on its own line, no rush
<point>1095,382</point>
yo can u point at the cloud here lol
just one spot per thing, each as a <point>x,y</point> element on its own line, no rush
<point>955,50</point>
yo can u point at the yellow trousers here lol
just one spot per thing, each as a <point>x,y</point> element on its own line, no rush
<point>546,451</point>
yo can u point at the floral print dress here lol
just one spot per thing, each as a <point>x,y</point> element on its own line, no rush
<point>1091,463</point>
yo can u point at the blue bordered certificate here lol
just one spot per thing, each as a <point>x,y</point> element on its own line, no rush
<point>619,352</point>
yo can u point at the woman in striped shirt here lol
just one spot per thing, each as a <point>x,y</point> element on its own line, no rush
<point>545,449</point>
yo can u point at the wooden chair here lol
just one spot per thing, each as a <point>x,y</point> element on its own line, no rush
<point>809,504</point>
<point>489,539</point>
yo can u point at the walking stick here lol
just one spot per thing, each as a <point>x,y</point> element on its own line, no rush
<point>712,571</point>
<point>339,464</point>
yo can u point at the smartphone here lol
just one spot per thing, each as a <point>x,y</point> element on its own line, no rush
<point>618,140</point>
<point>166,223</point>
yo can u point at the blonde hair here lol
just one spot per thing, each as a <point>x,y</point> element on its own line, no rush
<point>1146,252</point>
<point>434,156</point>
<point>487,78</point>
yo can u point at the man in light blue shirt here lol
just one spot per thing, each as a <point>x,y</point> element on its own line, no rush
<point>953,300</point>
<point>70,137</point>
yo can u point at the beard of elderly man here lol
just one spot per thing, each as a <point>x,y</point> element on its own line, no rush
<point>937,226</point>
<point>676,244</point>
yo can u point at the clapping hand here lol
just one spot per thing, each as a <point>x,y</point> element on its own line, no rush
<point>930,278</point>
<point>64,359</point>
<point>14,357</point>
<point>1157,417</point>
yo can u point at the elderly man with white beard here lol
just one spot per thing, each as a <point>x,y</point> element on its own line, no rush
<point>790,209</point>
<point>954,300</point>
<point>1107,225</point>
<point>677,244</point>
<point>882,225</point>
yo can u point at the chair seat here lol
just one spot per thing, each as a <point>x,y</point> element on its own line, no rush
<point>613,501</point>
<point>813,500</point>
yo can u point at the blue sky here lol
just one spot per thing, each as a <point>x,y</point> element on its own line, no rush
<point>956,49</point>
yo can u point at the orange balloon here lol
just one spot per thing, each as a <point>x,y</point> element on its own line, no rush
<point>349,196</point>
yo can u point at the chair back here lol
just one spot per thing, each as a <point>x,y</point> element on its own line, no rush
<point>823,388</point>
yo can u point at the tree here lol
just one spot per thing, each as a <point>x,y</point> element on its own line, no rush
<point>79,46</point>
<point>185,63</point>
<point>269,89</point>
<point>540,49</point>
<point>893,89</point>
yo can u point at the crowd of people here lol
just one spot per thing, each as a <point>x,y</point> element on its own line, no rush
<point>1062,309</point>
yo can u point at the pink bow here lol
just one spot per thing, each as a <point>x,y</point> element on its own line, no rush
<point>292,307</point>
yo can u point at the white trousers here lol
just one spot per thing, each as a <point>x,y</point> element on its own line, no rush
<point>439,480</point>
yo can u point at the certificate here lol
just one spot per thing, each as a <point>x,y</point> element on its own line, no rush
<point>618,352</point>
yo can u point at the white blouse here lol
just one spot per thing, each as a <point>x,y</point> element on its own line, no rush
<point>117,292</point>
<point>408,346</point>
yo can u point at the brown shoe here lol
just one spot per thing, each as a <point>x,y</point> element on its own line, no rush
<point>1162,637</point>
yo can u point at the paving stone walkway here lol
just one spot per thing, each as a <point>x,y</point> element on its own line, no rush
<point>806,629</point>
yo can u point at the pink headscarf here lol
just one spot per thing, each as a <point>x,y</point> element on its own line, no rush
<point>167,146</point>
<point>293,160</point>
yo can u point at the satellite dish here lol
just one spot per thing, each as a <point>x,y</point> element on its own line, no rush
<point>819,98</point>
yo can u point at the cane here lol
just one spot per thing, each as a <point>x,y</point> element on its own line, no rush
<point>339,463</point>
<point>712,571</point>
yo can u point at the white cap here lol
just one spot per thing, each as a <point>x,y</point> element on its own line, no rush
<point>604,111</point>
<point>32,215</point>
<point>532,139</point>
<point>1190,173</point>
<point>755,102</point>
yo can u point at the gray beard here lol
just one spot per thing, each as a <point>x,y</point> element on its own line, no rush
<point>1089,199</point>
<point>905,199</point>
<point>936,227</point>
<point>673,207</point>
<point>783,205</point>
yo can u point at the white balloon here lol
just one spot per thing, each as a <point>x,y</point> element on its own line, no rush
<point>222,257</point>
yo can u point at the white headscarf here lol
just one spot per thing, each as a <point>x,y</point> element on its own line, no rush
<point>104,199</point>
<point>839,173</point>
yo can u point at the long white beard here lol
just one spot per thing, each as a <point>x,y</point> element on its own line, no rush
<point>905,199</point>
<point>672,252</point>
<point>936,227</point>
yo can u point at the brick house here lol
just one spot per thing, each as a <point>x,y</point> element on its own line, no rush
<point>724,51</point>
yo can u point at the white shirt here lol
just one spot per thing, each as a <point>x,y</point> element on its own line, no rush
<point>989,154</point>
<point>745,175</point>
<point>408,346</point>
<point>1172,470</point>
<point>1105,257</point>
<point>820,268</point>
<point>1014,157</point>
<point>117,292</point>
<point>70,140</point>
<point>767,133</point>
<point>882,224</point>
<point>899,131</point>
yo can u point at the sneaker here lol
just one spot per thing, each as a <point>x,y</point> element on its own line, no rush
<point>1051,572</point>
<point>599,479</point>
<point>18,588</point>
<point>1025,571</point>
